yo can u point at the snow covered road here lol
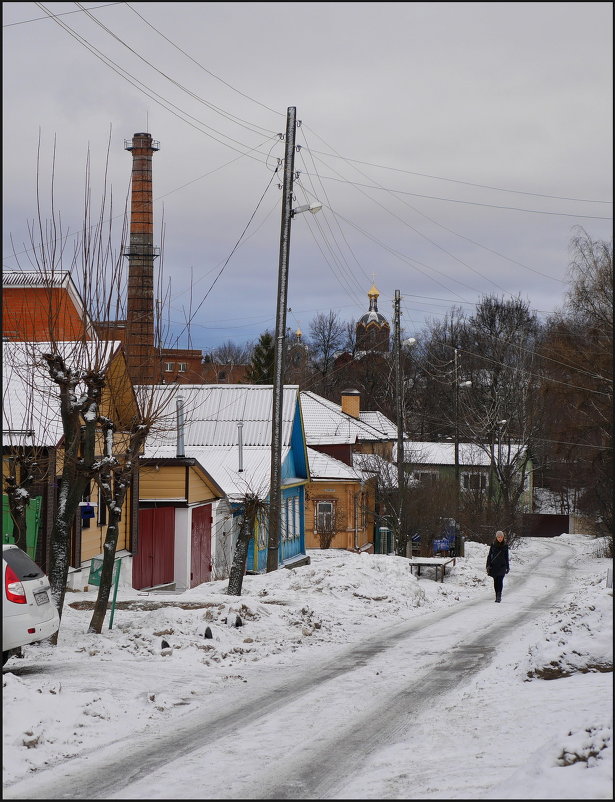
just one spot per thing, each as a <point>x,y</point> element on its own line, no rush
<point>322,730</point>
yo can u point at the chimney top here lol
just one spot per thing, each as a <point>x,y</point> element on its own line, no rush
<point>351,403</point>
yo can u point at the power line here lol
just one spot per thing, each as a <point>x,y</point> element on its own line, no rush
<point>61,14</point>
<point>209,72</point>
<point>151,93</point>
<point>212,106</point>
<point>465,202</point>
<point>336,155</point>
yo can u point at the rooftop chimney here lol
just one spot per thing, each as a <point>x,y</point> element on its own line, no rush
<point>139,340</point>
<point>351,402</point>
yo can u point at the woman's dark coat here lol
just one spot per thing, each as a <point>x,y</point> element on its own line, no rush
<point>497,559</point>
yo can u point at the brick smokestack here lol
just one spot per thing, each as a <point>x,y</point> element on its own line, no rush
<point>139,339</point>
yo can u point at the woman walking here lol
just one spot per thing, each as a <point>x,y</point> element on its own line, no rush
<point>497,563</point>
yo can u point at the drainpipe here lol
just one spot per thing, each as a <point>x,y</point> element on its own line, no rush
<point>240,443</point>
<point>179,402</point>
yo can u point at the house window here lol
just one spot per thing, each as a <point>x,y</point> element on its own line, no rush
<point>474,481</point>
<point>425,477</point>
<point>169,367</point>
<point>324,516</point>
<point>182,367</point>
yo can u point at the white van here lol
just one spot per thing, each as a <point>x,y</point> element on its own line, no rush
<point>28,612</point>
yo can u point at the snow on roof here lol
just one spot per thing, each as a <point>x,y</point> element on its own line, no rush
<point>324,420</point>
<point>373,464</point>
<point>30,399</point>
<point>322,466</point>
<point>212,412</point>
<point>380,422</point>
<point>444,453</point>
<point>36,278</point>
<point>222,464</point>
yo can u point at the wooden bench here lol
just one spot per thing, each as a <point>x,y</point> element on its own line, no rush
<point>439,563</point>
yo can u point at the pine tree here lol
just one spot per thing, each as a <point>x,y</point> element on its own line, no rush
<point>261,365</point>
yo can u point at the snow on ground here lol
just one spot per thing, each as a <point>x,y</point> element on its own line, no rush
<point>91,690</point>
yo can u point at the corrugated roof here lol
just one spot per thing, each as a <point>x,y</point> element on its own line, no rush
<point>222,464</point>
<point>322,466</point>
<point>381,423</point>
<point>212,412</point>
<point>444,453</point>
<point>35,278</point>
<point>374,465</point>
<point>29,397</point>
<point>324,420</point>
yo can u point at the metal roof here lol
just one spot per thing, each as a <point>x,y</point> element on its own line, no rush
<point>324,420</point>
<point>35,278</point>
<point>30,400</point>
<point>470,454</point>
<point>222,464</point>
<point>380,422</point>
<point>374,465</point>
<point>322,466</point>
<point>212,412</point>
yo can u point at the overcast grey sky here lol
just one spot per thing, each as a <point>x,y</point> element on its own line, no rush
<point>454,146</point>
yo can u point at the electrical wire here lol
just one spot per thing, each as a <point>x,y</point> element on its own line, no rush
<point>336,155</point>
<point>466,202</point>
<point>152,94</point>
<point>457,234</point>
<point>227,115</point>
<point>198,64</point>
<point>231,253</point>
<point>60,14</point>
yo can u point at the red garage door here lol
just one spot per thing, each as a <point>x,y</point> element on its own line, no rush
<point>154,562</point>
<point>200,567</point>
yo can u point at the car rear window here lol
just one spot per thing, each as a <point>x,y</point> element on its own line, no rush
<point>24,567</point>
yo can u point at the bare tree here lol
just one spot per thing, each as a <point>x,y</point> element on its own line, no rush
<point>327,336</point>
<point>76,369</point>
<point>577,390</point>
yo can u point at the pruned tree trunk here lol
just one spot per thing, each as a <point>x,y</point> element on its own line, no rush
<point>251,507</point>
<point>106,575</point>
<point>115,485</point>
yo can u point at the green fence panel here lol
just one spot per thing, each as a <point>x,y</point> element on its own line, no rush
<point>33,523</point>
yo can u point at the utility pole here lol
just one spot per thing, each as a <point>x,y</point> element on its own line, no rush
<point>459,550</point>
<point>456,411</point>
<point>275,491</point>
<point>399,418</point>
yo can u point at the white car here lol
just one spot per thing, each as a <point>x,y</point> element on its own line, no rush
<point>28,612</point>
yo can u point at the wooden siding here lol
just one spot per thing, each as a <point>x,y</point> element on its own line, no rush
<point>168,482</point>
<point>93,537</point>
<point>199,489</point>
<point>343,494</point>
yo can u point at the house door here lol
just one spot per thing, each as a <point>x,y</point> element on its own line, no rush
<point>200,566</point>
<point>154,562</point>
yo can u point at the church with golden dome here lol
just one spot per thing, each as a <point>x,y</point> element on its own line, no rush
<point>372,330</point>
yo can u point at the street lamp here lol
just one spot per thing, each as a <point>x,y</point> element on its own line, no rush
<point>459,539</point>
<point>275,489</point>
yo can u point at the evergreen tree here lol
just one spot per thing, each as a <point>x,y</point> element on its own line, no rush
<point>261,365</point>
